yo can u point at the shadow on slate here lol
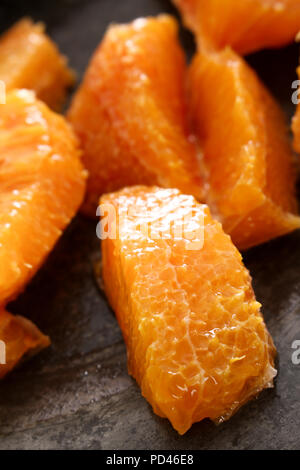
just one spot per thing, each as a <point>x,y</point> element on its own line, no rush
<point>77,394</point>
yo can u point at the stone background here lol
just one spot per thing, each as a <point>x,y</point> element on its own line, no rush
<point>77,394</point>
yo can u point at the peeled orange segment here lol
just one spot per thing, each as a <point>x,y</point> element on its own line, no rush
<point>130,112</point>
<point>196,341</point>
<point>246,149</point>
<point>296,123</point>
<point>29,59</point>
<point>42,184</point>
<point>245,25</point>
<point>19,339</point>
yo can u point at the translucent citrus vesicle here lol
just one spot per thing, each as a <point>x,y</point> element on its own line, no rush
<point>130,112</point>
<point>246,149</point>
<point>42,184</point>
<point>19,339</point>
<point>196,341</point>
<point>245,25</point>
<point>29,59</point>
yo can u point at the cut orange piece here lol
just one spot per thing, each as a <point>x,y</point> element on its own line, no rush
<point>296,123</point>
<point>196,341</point>
<point>19,339</point>
<point>29,59</point>
<point>247,154</point>
<point>130,112</point>
<point>245,25</point>
<point>42,185</point>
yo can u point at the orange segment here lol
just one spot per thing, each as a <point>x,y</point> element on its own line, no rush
<point>245,25</point>
<point>29,59</point>
<point>19,339</point>
<point>42,185</point>
<point>196,341</point>
<point>247,155</point>
<point>296,123</point>
<point>130,112</point>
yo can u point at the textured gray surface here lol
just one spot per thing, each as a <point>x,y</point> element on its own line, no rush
<point>77,394</point>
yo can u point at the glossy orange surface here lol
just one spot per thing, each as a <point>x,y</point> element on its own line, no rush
<point>42,184</point>
<point>245,25</point>
<point>21,339</point>
<point>246,151</point>
<point>29,59</point>
<point>196,341</point>
<point>130,112</point>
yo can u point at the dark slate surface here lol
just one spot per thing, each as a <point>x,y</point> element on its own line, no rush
<point>77,394</point>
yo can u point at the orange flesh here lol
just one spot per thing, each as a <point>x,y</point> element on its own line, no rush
<point>245,25</point>
<point>42,184</point>
<point>196,341</point>
<point>29,59</point>
<point>130,112</point>
<point>246,151</point>
<point>20,339</point>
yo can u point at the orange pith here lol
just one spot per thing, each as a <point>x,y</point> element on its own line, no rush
<point>196,341</point>
<point>42,185</point>
<point>29,59</point>
<point>130,112</point>
<point>246,150</point>
<point>21,339</point>
<point>245,25</point>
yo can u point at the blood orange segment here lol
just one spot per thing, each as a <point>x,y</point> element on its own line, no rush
<point>42,184</point>
<point>247,154</point>
<point>130,112</point>
<point>19,339</point>
<point>246,26</point>
<point>196,341</point>
<point>29,59</point>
